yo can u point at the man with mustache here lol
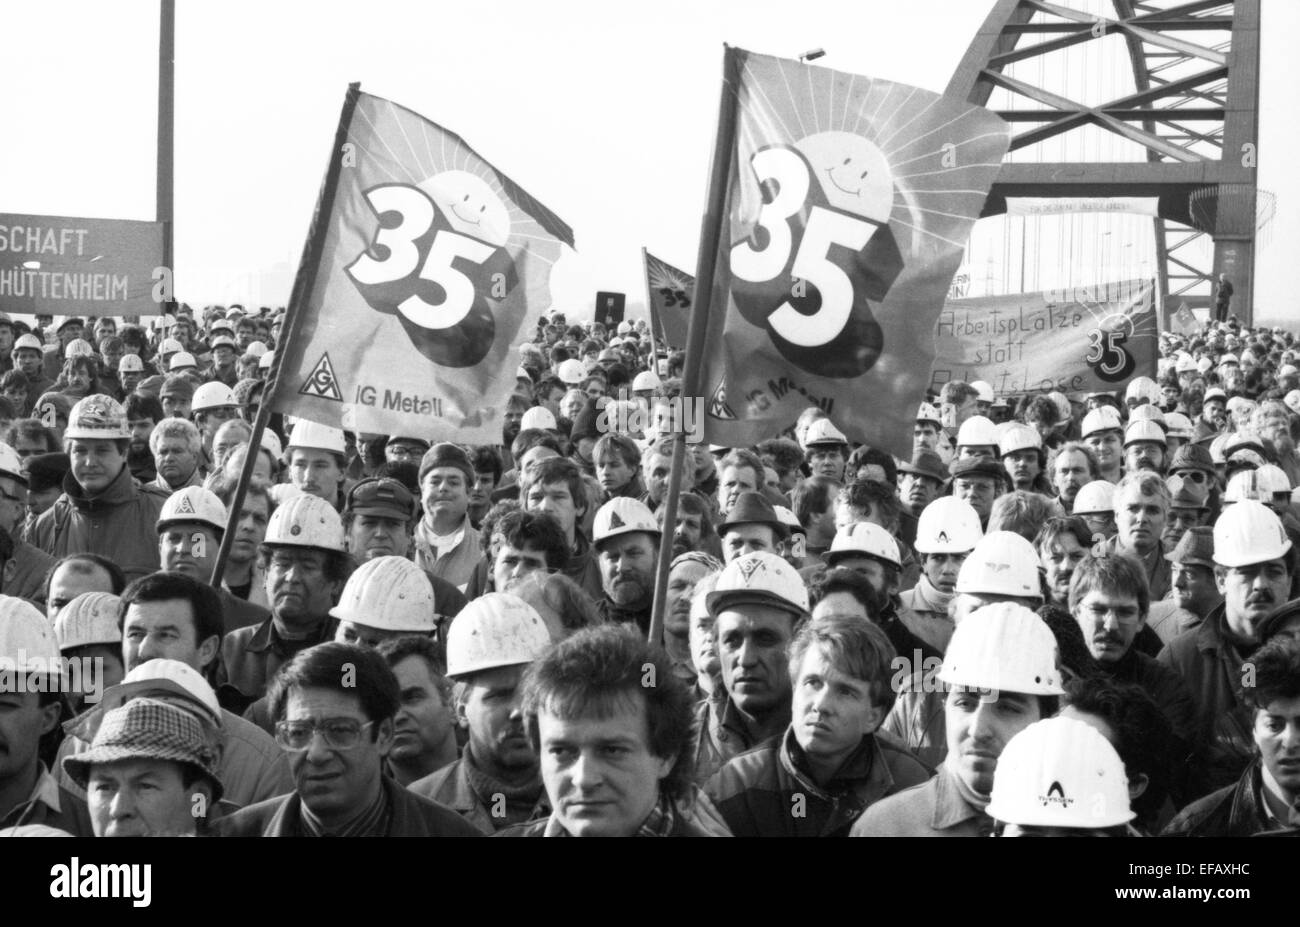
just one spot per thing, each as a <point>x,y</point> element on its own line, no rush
<point>921,481</point>
<point>626,538</point>
<point>1213,418</point>
<point>757,605</point>
<point>1253,565</point>
<point>424,728</point>
<point>1109,601</point>
<point>1144,447</point>
<point>1073,467</point>
<point>1062,544</point>
<point>497,781</point>
<point>1141,509</point>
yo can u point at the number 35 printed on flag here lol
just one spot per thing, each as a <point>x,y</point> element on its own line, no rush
<point>820,254</point>
<point>438,263</point>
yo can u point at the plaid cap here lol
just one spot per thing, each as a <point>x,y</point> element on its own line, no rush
<point>148,729</point>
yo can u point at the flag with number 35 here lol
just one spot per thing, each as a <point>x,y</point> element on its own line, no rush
<point>848,203</point>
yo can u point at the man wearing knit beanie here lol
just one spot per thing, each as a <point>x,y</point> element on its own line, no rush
<point>584,436</point>
<point>446,544</point>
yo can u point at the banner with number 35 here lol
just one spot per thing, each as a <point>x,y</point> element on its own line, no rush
<point>848,202</point>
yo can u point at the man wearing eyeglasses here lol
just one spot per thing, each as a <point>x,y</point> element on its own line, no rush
<point>333,706</point>
<point>405,450</point>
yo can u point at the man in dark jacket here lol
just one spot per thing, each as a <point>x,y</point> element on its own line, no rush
<point>496,782</point>
<point>1267,796</point>
<point>102,510</point>
<point>333,707</point>
<point>832,762</point>
<point>612,725</point>
<point>1254,563</point>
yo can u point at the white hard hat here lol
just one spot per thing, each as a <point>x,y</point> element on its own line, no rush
<point>271,444</point>
<point>572,372</point>
<point>494,630</point>
<point>624,327</point>
<point>181,360</point>
<point>1001,563</point>
<point>1060,772</point>
<point>1217,447</point>
<point>255,349</point>
<point>130,363</point>
<point>1102,418</point>
<point>1228,359</point>
<point>30,342</point>
<point>1142,388</point>
<point>538,417</point>
<point>1019,438</point>
<point>391,594</point>
<point>319,437</point>
<point>98,416</point>
<point>223,341</point>
<point>1178,425</point>
<point>823,432</point>
<point>1148,413</point>
<point>1185,364</point>
<point>27,640</point>
<point>1097,496</point>
<point>623,515</point>
<point>266,360</point>
<point>1005,647</point>
<point>90,618</point>
<point>864,538</point>
<point>1214,392</point>
<point>759,578</point>
<point>1292,400</point>
<point>1144,430</point>
<point>306,521</point>
<point>78,347</point>
<point>1247,533</point>
<point>11,465</point>
<point>1287,370</point>
<point>983,391</point>
<point>646,379</point>
<point>1204,365</point>
<point>789,519</point>
<point>977,431</point>
<point>193,505</point>
<point>1240,404</point>
<point>161,674</point>
<point>928,413</point>
<point>214,395</point>
<point>948,525</point>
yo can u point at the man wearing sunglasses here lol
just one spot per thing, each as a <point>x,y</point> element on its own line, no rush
<point>333,706</point>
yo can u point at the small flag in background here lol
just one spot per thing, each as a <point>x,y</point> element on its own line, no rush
<point>427,269</point>
<point>672,293</point>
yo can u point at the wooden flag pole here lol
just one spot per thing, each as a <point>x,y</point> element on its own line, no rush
<point>711,225</point>
<point>303,285</point>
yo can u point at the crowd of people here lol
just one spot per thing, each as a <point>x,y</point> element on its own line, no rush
<point>1065,615</point>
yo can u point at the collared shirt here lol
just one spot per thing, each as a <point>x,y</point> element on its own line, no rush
<point>372,821</point>
<point>45,792</point>
<point>935,809</point>
<point>721,733</point>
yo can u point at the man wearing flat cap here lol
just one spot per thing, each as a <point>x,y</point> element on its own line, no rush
<point>446,544</point>
<point>978,481</point>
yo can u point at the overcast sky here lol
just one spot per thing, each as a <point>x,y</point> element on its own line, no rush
<point>603,111</point>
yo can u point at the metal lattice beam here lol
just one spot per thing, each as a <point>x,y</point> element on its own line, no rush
<point>1214,84</point>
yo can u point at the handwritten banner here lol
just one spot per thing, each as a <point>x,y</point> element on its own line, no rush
<point>1082,339</point>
